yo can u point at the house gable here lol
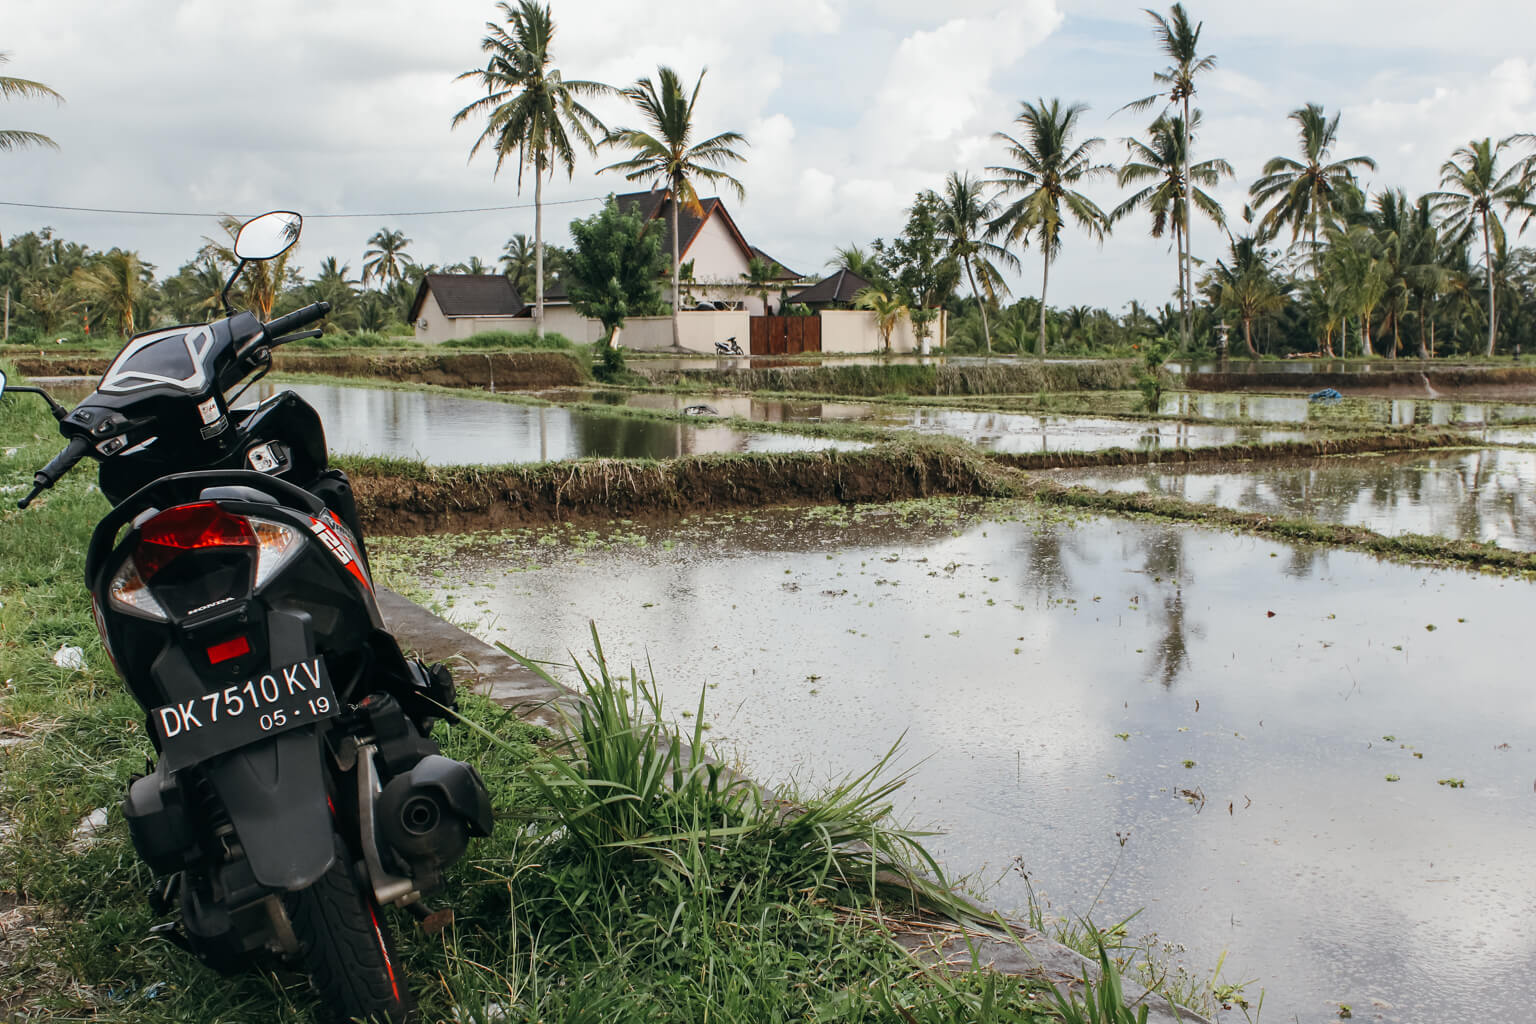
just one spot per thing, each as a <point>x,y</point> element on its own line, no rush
<point>712,241</point>
<point>461,295</point>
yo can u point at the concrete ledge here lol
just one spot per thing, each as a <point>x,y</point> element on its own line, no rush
<point>476,665</point>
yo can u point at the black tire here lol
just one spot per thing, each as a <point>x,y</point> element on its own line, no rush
<point>346,947</point>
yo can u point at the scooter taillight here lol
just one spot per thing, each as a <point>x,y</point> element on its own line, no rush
<point>188,528</point>
<point>199,527</point>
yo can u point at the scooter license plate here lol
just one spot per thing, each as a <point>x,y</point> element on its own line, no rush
<point>265,705</point>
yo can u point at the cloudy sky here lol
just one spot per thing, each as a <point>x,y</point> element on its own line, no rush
<point>343,107</point>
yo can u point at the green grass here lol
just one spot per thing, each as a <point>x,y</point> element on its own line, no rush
<point>340,341</point>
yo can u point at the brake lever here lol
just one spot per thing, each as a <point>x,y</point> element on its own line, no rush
<point>301,336</point>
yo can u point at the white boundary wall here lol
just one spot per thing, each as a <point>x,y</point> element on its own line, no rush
<point>854,330</point>
<point>699,331</point>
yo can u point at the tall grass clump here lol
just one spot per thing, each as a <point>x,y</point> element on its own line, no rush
<point>510,339</point>
<point>626,788</point>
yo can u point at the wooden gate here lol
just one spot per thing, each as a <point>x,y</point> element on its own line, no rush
<point>785,335</point>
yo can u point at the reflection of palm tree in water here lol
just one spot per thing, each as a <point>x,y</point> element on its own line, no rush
<point>1165,564</point>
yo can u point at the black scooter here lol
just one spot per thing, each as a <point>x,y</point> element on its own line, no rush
<point>297,788</point>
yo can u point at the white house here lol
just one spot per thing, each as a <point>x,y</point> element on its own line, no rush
<point>458,305</point>
<point>720,258</point>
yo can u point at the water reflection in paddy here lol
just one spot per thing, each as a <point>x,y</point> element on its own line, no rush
<point>1483,495</point>
<point>1387,412</point>
<point>442,429</point>
<point>994,431</point>
<point>1066,680</point>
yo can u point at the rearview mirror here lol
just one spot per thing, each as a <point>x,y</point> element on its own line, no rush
<point>268,236</point>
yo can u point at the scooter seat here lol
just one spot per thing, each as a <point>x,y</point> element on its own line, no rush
<point>236,492</point>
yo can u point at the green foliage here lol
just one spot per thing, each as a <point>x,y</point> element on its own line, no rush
<point>920,262</point>
<point>508,339</point>
<point>15,138</point>
<point>612,368</point>
<point>614,266</point>
<point>1103,1000</point>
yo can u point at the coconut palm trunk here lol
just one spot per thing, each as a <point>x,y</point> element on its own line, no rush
<point>1493,310</point>
<point>981,303</point>
<point>1187,226</point>
<point>1178,242</point>
<point>1045,279</point>
<point>1248,336</point>
<point>538,247</point>
<point>677,325</point>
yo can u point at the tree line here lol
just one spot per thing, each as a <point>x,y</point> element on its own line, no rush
<point>1313,262</point>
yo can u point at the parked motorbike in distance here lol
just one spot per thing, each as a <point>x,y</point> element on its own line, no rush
<point>296,788</point>
<point>728,347</point>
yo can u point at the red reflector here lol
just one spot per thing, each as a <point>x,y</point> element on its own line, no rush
<point>228,649</point>
<point>186,528</point>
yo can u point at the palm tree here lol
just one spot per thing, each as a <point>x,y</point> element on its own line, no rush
<point>117,280</point>
<point>518,260</point>
<point>1180,42</point>
<point>14,138</point>
<point>532,111</point>
<point>887,307</point>
<point>386,261</point>
<point>1248,287</point>
<point>1048,166</point>
<point>1356,260</point>
<point>963,217</point>
<point>854,260</point>
<point>664,155</point>
<point>760,277</point>
<point>1163,163</point>
<point>1307,194</point>
<point>474,265</point>
<point>1476,190</point>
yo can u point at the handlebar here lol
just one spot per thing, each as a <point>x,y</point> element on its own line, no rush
<point>62,463</point>
<point>290,322</point>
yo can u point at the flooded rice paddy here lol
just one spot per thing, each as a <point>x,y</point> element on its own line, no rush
<point>1315,761</point>
<point>1486,495</point>
<point>1010,432</point>
<point>445,430</point>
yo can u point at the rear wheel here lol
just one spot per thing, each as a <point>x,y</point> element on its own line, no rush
<point>346,947</point>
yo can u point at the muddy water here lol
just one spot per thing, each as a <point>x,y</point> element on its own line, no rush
<point>1484,495</point>
<point>442,430</point>
<point>1062,684</point>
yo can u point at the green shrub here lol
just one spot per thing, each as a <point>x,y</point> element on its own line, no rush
<point>508,339</point>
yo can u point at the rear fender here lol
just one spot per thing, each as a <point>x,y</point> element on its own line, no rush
<point>275,795</point>
<point>275,791</point>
